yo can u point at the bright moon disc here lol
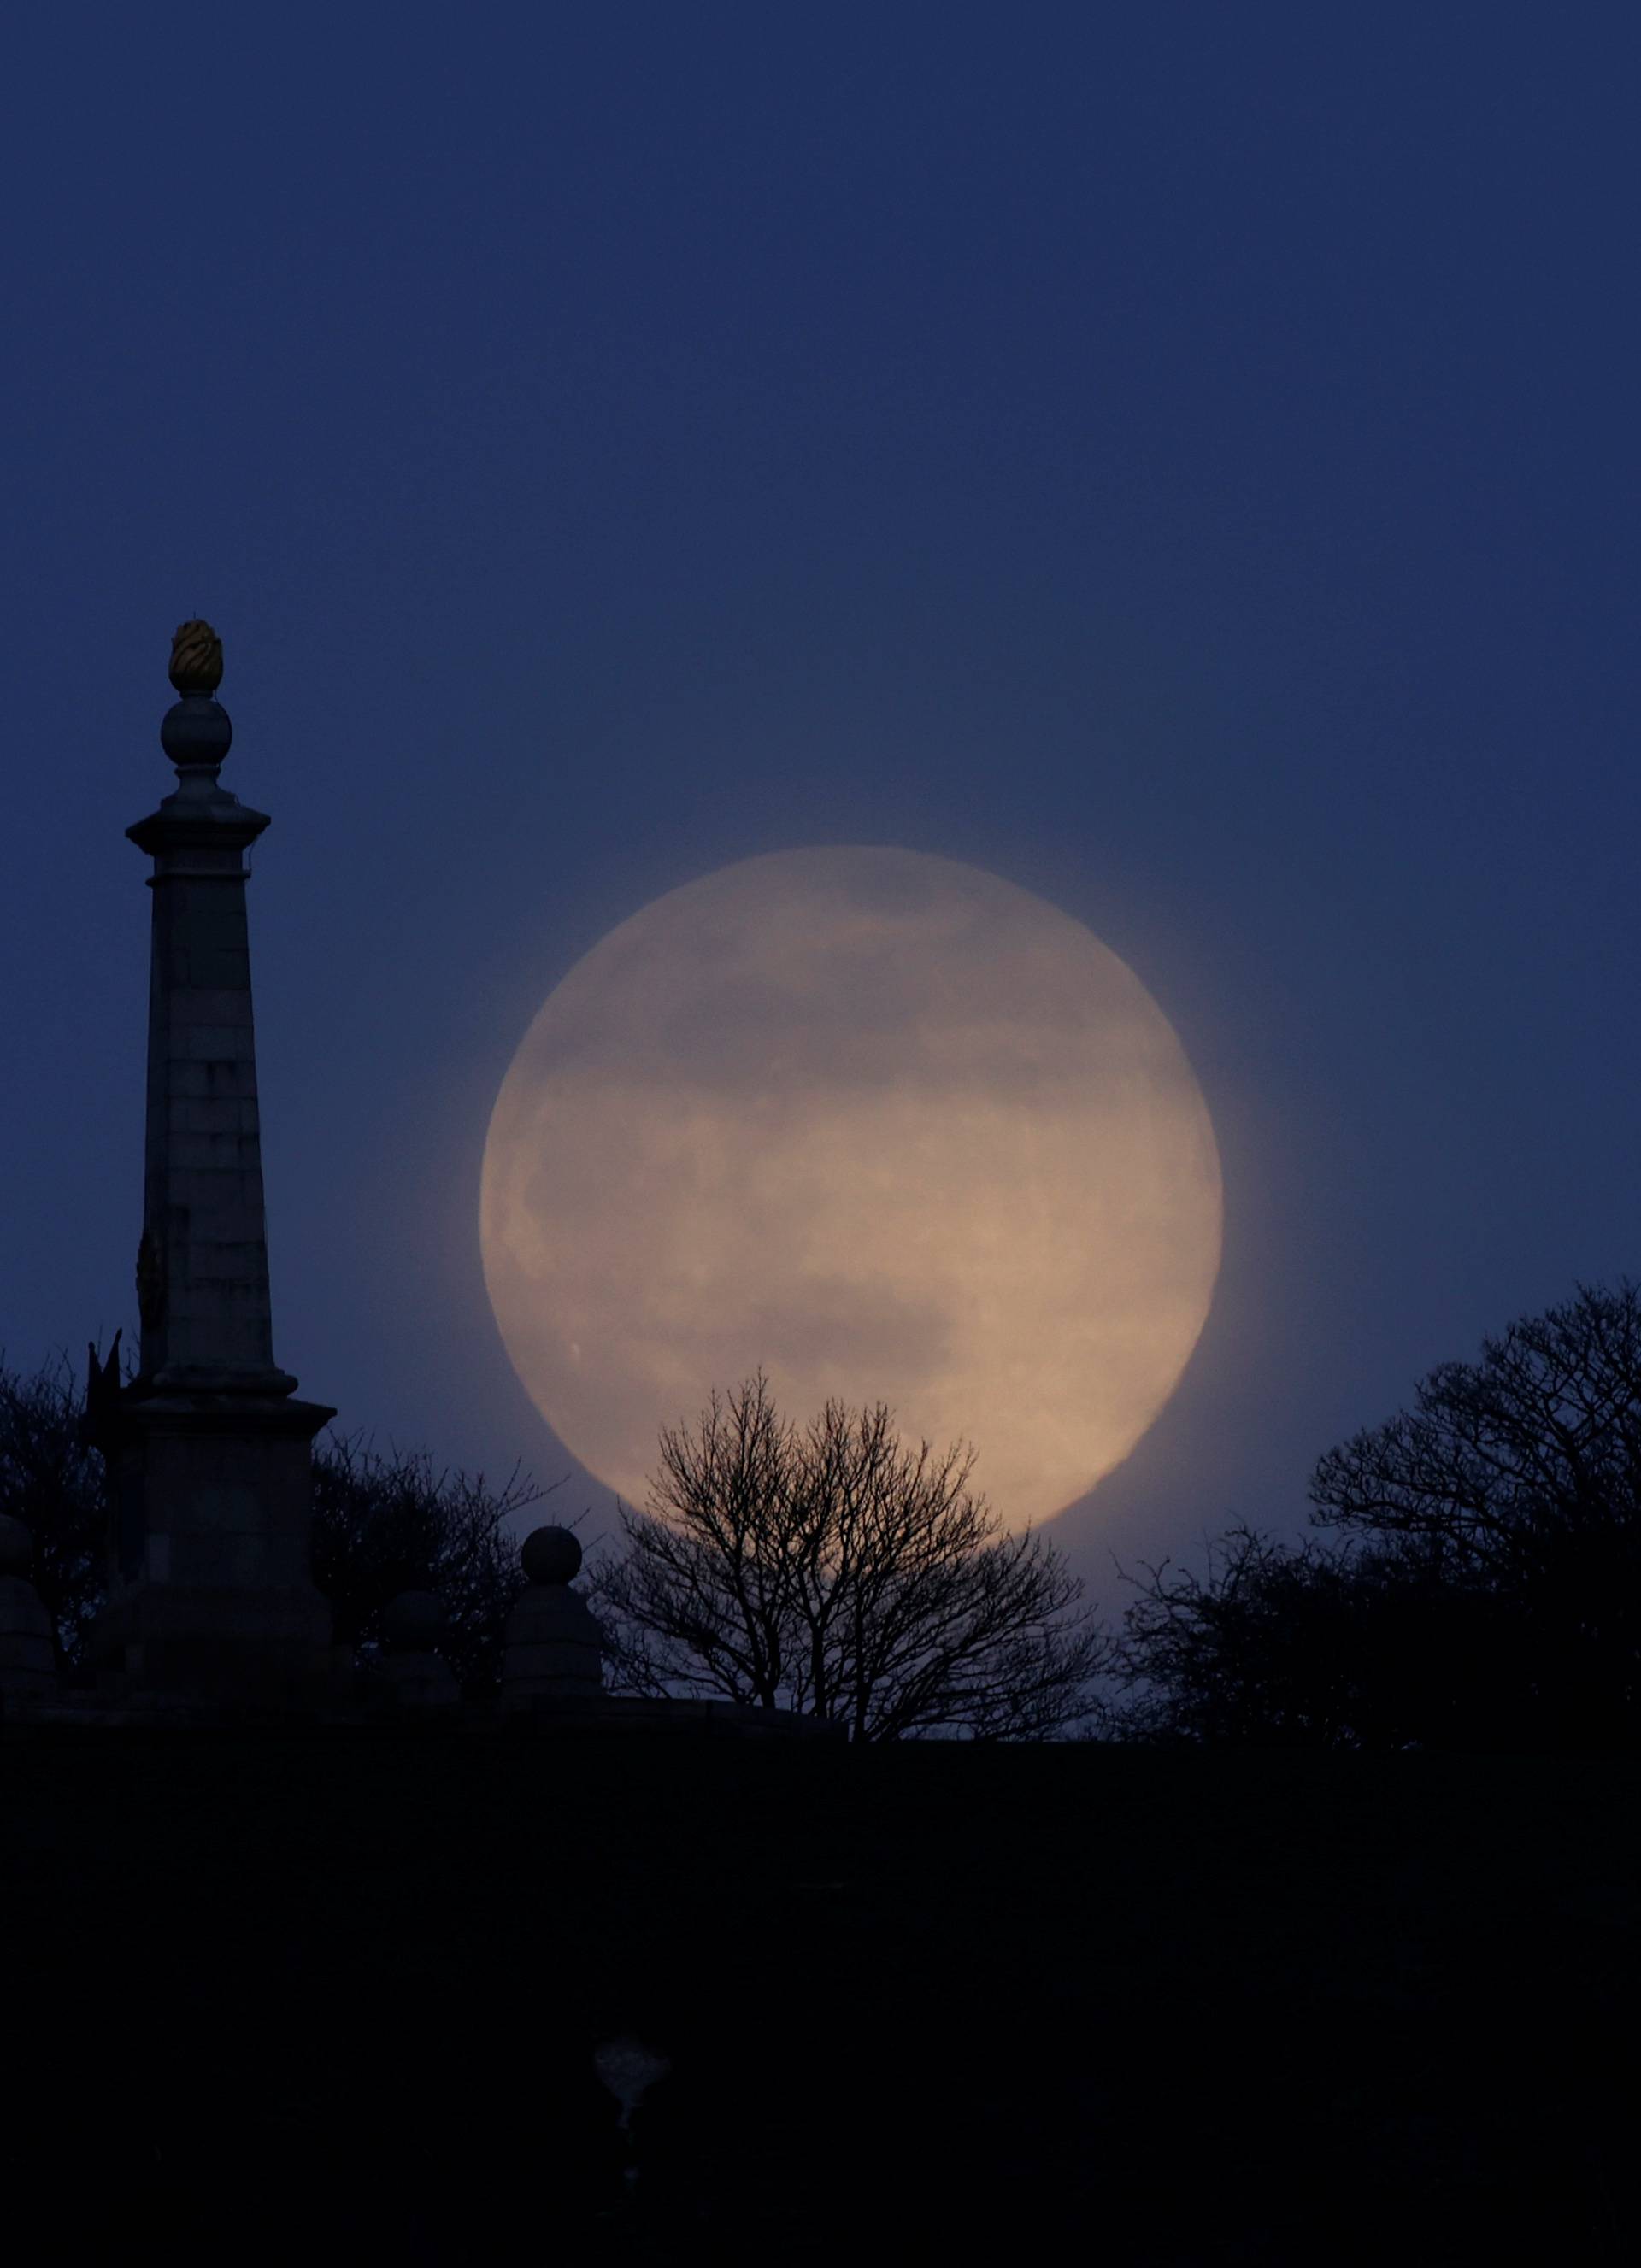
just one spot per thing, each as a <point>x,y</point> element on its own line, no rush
<point>885,1126</point>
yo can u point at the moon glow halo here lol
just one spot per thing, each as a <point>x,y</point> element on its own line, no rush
<point>889,1128</point>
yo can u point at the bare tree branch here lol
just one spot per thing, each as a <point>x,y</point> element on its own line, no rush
<point>839,1572</point>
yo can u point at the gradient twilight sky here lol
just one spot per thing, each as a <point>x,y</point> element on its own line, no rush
<point>1182,459</point>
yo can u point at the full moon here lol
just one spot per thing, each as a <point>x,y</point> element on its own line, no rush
<point>886,1127</point>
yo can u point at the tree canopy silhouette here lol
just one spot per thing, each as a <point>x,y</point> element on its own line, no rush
<point>1475,1578</point>
<point>388,1521</point>
<point>835,1571</point>
<point>51,1477</point>
<point>384,1521</point>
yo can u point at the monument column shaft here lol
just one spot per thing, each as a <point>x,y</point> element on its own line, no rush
<point>204,1268</point>
<point>210,1455</point>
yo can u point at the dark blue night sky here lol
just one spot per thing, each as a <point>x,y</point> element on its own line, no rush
<point>1183,460</point>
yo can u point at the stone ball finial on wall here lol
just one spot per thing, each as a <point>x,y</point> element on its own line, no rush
<point>412,1675</point>
<point>415,1622</point>
<point>551,1555</point>
<point>553,1641</point>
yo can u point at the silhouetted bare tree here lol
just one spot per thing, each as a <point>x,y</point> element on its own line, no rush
<point>835,1572</point>
<point>383,1522</point>
<point>1316,1645</point>
<point>1479,1584</point>
<point>390,1521</point>
<point>51,1477</point>
<point>1520,1476</point>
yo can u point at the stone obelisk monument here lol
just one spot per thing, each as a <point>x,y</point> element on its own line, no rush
<point>209,1456</point>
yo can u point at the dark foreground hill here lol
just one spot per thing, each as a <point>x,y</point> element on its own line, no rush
<point>337,1996</point>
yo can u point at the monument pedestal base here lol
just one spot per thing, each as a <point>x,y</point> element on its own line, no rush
<point>268,1647</point>
<point>212,1495</point>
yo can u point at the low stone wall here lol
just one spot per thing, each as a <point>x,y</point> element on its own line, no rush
<point>600,1716</point>
<point>719,1720</point>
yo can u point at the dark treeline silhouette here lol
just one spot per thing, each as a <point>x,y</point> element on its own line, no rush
<point>52,1478</point>
<point>1474,1577</point>
<point>832,1570</point>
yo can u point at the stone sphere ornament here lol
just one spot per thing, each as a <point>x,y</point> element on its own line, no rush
<point>554,1643</point>
<point>415,1622</point>
<point>551,1555</point>
<point>412,1677</point>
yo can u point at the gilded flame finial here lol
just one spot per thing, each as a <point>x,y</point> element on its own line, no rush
<point>196,732</point>
<point>196,658</point>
